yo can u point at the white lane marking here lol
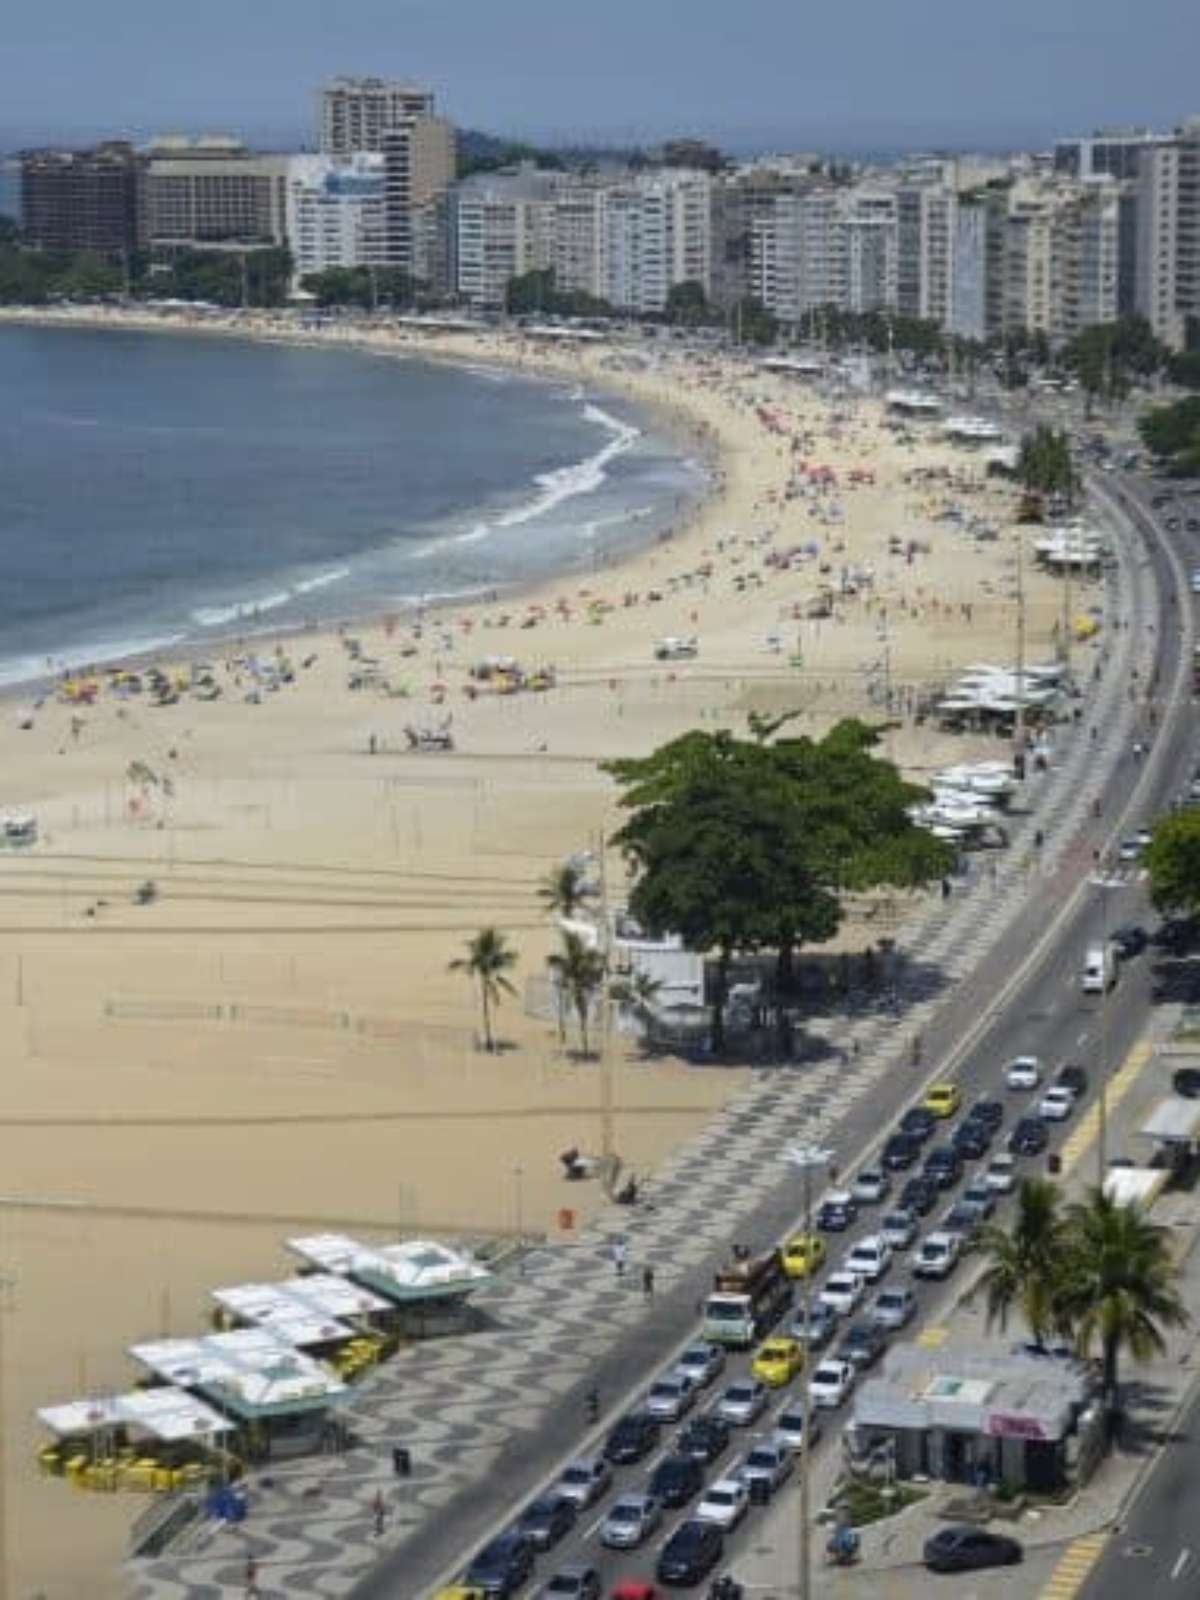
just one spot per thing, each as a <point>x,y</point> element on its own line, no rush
<point>588,1532</point>
<point>1083,1037</point>
<point>1180,1563</point>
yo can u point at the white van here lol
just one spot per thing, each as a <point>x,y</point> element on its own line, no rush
<point>1099,968</point>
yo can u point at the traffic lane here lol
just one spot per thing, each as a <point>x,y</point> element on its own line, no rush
<point>1157,1552</point>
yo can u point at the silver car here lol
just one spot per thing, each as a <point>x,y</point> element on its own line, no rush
<point>893,1308</point>
<point>789,1426</point>
<point>584,1480</point>
<point>670,1396</point>
<point>899,1228</point>
<point>703,1363</point>
<point>742,1402</point>
<point>768,1461</point>
<point>630,1522</point>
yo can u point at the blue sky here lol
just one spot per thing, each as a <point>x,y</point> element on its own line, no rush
<point>803,73</point>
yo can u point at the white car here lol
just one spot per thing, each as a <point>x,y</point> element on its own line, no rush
<point>899,1228</point>
<point>871,1186</point>
<point>724,1502</point>
<point>770,1461</point>
<point>937,1255</point>
<point>893,1309</point>
<point>1128,850</point>
<point>831,1383</point>
<point>841,1292</point>
<point>1001,1173</point>
<point>980,1195</point>
<point>630,1522</point>
<point>870,1258</point>
<point>1056,1104</point>
<point>703,1363</point>
<point>789,1426</point>
<point>743,1402</point>
<point>1025,1072</point>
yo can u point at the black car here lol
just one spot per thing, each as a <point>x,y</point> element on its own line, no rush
<point>546,1520</point>
<point>988,1112</point>
<point>1186,1082</point>
<point>919,1122</point>
<point>863,1344</point>
<point>690,1554</point>
<point>704,1438</point>
<point>971,1140</point>
<point>1073,1077</point>
<point>900,1152</point>
<point>961,1548</point>
<point>502,1566</point>
<point>1193,524</point>
<point>919,1195</point>
<point>1130,940</point>
<point>675,1480</point>
<point>835,1216</point>
<point>632,1438</point>
<point>1029,1137</point>
<point>943,1165</point>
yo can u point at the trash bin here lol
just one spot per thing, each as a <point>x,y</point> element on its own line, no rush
<point>401,1461</point>
<point>1054,1163</point>
<point>760,1491</point>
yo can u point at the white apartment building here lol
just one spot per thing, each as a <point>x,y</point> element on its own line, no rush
<point>580,225</point>
<point>657,232</point>
<point>969,295</point>
<point>336,212</point>
<point>825,247</point>
<point>926,247</point>
<point>355,113</point>
<point>1167,270</point>
<point>501,227</point>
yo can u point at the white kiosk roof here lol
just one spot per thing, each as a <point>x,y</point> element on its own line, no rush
<point>1135,1186</point>
<point>417,1269</point>
<point>301,1311</point>
<point>250,1371</point>
<point>167,1414</point>
<point>1174,1120</point>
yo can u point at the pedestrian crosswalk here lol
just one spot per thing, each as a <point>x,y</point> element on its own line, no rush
<point>1074,1567</point>
<point>1087,1129</point>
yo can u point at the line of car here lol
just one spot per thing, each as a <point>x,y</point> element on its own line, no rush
<point>840,1300</point>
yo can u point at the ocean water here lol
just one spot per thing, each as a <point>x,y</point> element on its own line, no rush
<point>160,490</point>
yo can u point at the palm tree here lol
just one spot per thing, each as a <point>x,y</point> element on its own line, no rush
<point>563,889</point>
<point>639,992</point>
<point>489,957</point>
<point>578,972</point>
<point>1119,1289</point>
<point>1026,1261</point>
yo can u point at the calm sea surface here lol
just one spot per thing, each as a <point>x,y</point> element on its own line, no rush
<point>159,489</point>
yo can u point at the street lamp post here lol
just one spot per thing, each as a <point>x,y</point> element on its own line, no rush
<point>806,1157</point>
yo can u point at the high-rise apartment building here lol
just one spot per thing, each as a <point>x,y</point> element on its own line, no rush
<point>419,158</point>
<point>214,191</point>
<point>926,240</point>
<point>336,213</point>
<point>355,113</point>
<point>83,199</point>
<point>657,234</point>
<point>1167,282</point>
<point>821,246</point>
<point>501,227</point>
<point>969,294</point>
<point>1107,153</point>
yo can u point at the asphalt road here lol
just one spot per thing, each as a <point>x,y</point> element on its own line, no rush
<point>1048,1016</point>
<point>1156,1555</point>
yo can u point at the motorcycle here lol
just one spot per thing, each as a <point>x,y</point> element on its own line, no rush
<point>843,1548</point>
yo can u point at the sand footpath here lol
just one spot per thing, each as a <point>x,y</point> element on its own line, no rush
<point>275,1042</point>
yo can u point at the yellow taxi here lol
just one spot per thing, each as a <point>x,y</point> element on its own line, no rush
<point>803,1255</point>
<point>461,1591</point>
<point>943,1099</point>
<point>778,1361</point>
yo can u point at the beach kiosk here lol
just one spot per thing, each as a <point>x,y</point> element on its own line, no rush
<point>339,1321</point>
<point>280,1400</point>
<point>426,1283</point>
<point>155,1441</point>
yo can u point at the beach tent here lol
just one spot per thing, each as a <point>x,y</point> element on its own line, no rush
<point>167,1414</point>
<point>301,1311</point>
<point>417,1270</point>
<point>249,1372</point>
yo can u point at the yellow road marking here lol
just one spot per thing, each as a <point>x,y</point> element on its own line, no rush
<point>1073,1568</point>
<point>1087,1129</point>
<point>933,1338</point>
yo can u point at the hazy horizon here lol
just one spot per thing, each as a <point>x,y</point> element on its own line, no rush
<point>873,78</point>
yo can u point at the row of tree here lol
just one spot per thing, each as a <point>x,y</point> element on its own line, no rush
<point>1045,467</point>
<point>1095,1274</point>
<point>42,277</point>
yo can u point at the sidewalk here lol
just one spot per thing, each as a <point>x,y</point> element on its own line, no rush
<point>486,1414</point>
<point>1156,1392</point>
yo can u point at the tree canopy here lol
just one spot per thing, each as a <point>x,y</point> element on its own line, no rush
<point>1173,862</point>
<point>749,845</point>
<point>1045,465</point>
<point>536,293</point>
<point>1172,436</point>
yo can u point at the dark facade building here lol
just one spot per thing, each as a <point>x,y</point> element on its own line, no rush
<point>82,199</point>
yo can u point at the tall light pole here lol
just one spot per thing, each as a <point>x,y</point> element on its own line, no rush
<point>1102,1104</point>
<point>806,1157</point>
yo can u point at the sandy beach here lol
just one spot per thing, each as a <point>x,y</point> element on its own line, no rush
<point>275,1042</point>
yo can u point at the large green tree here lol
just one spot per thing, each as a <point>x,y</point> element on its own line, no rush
<point>1172,436</point>
<point>1173,862</point>
<point>1045,464</point>
<point>744,845</point>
